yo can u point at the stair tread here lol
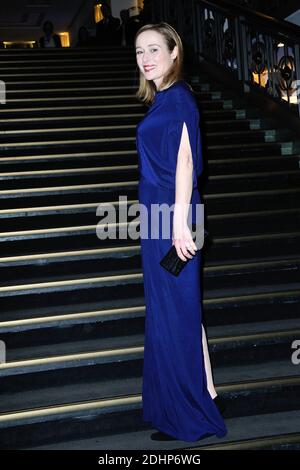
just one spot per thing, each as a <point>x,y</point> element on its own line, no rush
<point>288,324</point>
<point>238,334</point>
<point>227,379</point>
<point>77,308</point>
<point>246,427</point>
<point>260,371</point>
<point>257,289</point>
<point>24,320</point>
<point>68,172</point>
<point>48,280</point>
<point>133,248</point>
<point>50,314</point>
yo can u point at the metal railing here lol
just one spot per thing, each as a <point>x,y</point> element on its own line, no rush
<point>260,51</point>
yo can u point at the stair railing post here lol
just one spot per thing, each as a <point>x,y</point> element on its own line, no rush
<point>180,17</point>
<point>297,73</point>
<point>242,52</point>
<point>196,34</point>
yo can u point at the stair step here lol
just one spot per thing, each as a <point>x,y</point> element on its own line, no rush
<point>22,242</point>
<point>129,143</point>
<point>93,82</point>
<point>203,90</point>
<point>43,217</point>
<point>116,329</point>
<point>245,136</point>
<point>94,284</point>
<point>240,124</point>
<point>65,132</point>
<point>114,98</point>
<point>124,256</point>
<point>87,92</point>
<point>71,110</point>
<point>98,416</point>
<point>19,324</point>
<point>79,63</point>
<point>237,201</point>
<point>252,164</point>
<point>256,432</point>
<point>122,173</point>
<point>267,148</point>
<point>253,180</point>
<point>282,442</point>
<point>65,52</point>
<point>113,74</point>
<point>104,374</point>
<point>109,158</point>
<point>15,124</point>
<point>70,172</point>
<point>244,309</point>
<point>225,114</point>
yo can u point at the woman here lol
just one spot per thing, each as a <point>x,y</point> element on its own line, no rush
<point>178,392</point>
<point>84,38</point>
<point>50,39</point>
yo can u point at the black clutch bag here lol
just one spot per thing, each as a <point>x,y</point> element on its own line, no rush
<point>171,261</point>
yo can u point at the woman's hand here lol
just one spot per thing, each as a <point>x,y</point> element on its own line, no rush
<point>183,241</point>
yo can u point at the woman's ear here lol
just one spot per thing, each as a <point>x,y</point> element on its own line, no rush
<point>174,53</point>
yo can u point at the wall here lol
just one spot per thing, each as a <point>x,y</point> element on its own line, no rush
<point>85,16</point>
<point>294,18</point>
<point>118,5</point>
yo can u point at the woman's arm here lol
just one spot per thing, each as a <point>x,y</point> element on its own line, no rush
<point>184,184</point>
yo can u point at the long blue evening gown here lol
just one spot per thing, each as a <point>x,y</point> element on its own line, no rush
<point>174,394</point>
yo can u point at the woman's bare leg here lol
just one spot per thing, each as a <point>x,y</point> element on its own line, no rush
<point>209,378</point>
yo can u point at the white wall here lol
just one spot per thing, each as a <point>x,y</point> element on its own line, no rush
<point>85,18</point>
<point>118,5</point>
<point>294,18</point>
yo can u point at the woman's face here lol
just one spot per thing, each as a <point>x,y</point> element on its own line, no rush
<point>153,56</point>
<point>48,29</point>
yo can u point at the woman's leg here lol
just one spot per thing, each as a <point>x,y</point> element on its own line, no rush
<point>209,378</point>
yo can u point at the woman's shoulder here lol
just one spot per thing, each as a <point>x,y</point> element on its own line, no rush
<point>180,86</point>
<point>183,96</point>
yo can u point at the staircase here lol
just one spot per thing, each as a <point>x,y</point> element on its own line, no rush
<point>72,306</point>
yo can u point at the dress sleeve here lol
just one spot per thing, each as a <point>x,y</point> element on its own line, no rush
<point>186,111</point>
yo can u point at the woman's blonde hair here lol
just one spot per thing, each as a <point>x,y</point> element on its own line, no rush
<point>147,89</point>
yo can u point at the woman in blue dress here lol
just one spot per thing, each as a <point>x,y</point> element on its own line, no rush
<point>178,393</point>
